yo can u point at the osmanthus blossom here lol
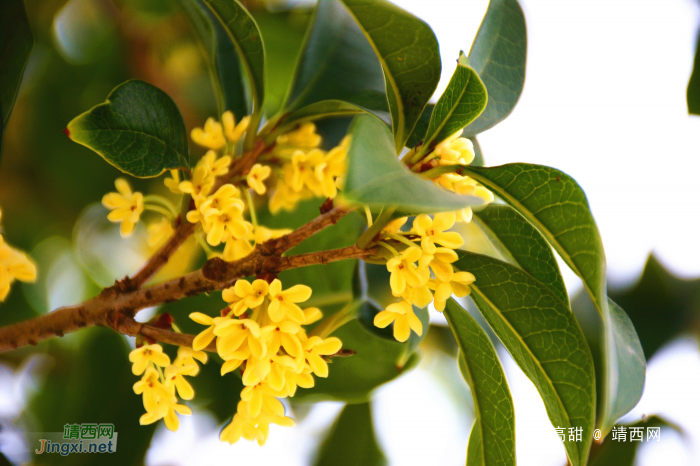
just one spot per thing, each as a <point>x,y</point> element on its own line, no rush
<point>14,265</point>
<point>262,331</point>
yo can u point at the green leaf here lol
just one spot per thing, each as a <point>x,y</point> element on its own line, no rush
<point>557,206</point>
<point>16,44</point>
<point>221,57</point>
<point>337,63</point>
<point>498,55</point>
<point>373,103</point>
<point>418,133</point>
<point>138,129</point>
<point>617,453</point>
<point>478,155</point>
<point>462,102</point>
<point>377,178</point>
<point>246,37</point>
<point>519,243</point>
<point>542,335</point>
<point>656,289</point>
<point>625,362</point>
<point>352,440</point>
<point>693,91</point>
<point>494,427</point>
<point>408,51</point>
<point>93,382</point>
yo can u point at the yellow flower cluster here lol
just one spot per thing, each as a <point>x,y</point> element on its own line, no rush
<point>161,380</point>
<point>307,171</point>
<point>125,206</point>
<point>14,265</point>
<point>429,248</point>
<point>262,333</point>
<point>456,150</point>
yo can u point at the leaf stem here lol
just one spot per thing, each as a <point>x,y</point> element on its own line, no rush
<point>251,208</point>
<point>162,201</point>
<point>369,234</point>
<point>160,209</point>
<point>332,323</point>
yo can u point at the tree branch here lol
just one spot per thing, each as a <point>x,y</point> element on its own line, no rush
<point>113,308</point>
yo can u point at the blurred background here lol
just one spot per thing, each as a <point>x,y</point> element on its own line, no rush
<point>604,101</point>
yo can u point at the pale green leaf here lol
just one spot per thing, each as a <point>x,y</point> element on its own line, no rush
<point>498,55</point>
<point>377,178</point>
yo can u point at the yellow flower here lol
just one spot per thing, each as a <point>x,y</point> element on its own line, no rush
<point>292,380</point>
<point>230,220</point>
<point>316,347</point>
<point>126,207</point>
<point>404,319</point>
<point>148,353</point>
<point>455,150</point>
<point>174,377</point>
<point>159,232</point>
<point>432,230</point>
<point>202,340</point>
<point>232,130</point>
<point>152,389</point>
<point>212,136</point>
<point>200,184</point>
<point>186,357</point>
<point>441,263</point>
<point>283,303</point>
<point>233,333</point>
<point>284,335</point>
<point>458,285</point>
<point>303,138</point>
<point>236,248</point>
<point>419,297</point>
<point>166,409</point>
<point>263,234</point>
<point>215,167</point>
<point>332,166</point>
<point>14,265</point>
<point>394,226</point>
<point>303,171</point>
<point>173,183</point>
<point>404,271</point>
<point>311,315</point>
<point>256,176</point>
<point>244,295</point>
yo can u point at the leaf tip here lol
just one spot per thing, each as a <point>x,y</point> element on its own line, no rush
<point>66,131</point>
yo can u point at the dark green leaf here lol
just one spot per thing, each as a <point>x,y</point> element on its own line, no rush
<point>409,54</point>
<point>373,103</point>
<point>93,383</point>
<point>519,243</point>
<point>498,55</point>
<point>246,37</point>
<point>377,178</point>
<point>494,427</point>
<point>418,133</point>
<point>221,56</point>
<point>138,129</point>
<point>16,43</point>
<point>337,63</point>
<point>661,305</point>
<point>557,206</point>
<point>463,100</point>
<point>693,91</point>
<point>542,335</point>
<point>352,441</point>
<point>618,453</point>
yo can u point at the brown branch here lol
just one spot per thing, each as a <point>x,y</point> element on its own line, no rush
<point>240,166</point>
<point>114,308</point>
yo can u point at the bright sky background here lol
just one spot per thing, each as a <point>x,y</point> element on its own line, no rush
<point>604,101</point>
